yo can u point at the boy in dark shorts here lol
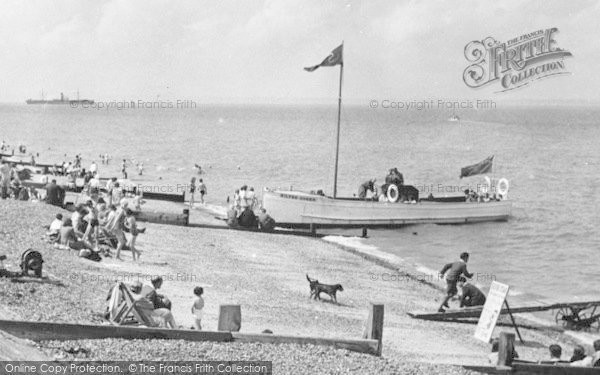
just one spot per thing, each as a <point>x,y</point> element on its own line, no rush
<point>455,271</point>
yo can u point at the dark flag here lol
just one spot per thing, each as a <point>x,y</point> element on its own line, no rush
<point>335,58</point>
<point>479,168</point>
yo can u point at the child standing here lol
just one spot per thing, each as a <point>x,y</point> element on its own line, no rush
<point>131,224</point>
<point>197,307</point>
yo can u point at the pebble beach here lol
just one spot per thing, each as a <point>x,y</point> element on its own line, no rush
<point>265,274</point>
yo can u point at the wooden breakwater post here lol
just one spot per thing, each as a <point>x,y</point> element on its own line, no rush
<point>374,328</point>
<point>230,318</point>
<point>506,349</point>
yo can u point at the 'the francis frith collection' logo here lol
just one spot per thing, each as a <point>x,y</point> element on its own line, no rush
<point>515,63</point>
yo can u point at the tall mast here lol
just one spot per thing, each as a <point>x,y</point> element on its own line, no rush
<point>337,138</point>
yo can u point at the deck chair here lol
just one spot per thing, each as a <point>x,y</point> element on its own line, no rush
<point>125,307</point>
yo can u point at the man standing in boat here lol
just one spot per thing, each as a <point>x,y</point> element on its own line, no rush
<point>395,177</point>
<point>455,271</point>
<point>366,186</point>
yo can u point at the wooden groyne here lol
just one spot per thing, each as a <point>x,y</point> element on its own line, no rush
<point>40,331</point>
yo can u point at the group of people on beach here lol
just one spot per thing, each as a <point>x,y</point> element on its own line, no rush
<point>198,186</point>
<point>161,306</point>
<point>456,275</point>
<point>11,185</point>
<point>577,359</point>
<point>241,211</point>
<point>95,223</point>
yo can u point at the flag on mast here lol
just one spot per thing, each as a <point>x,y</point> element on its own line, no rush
<point>482,167</point>
<point>335,58</point>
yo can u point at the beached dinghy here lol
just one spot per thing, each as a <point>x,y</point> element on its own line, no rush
<point>295,209</point>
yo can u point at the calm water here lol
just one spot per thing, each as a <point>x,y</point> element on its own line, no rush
<point>549,154</point>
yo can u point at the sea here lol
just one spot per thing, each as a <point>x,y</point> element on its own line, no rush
<point>549,248</point>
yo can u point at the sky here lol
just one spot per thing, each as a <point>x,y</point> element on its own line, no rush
<point>254,50</point>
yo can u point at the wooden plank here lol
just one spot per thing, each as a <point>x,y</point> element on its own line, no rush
<point>355,345</point>
<point>489,369</point>
<point>38,331</point>
<point>374,328</point>
<point>475,312</point>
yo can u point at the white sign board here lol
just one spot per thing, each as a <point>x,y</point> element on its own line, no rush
<point>491,311</point>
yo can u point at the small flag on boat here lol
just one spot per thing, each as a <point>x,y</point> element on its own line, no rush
<point>479,168</point>
<point>335,58</point>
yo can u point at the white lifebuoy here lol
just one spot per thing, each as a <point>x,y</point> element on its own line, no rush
<point>499,190</point>
<point>393,193</point>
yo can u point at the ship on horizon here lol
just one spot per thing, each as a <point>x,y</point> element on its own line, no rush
<point>63,100</point>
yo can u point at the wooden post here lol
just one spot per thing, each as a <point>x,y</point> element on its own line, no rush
<point>230,318</point>
<point>186,213</point>
<point>374,328</point>
<point>313,229</point>
<point>506,349</point>
<point>512,318</point>
<point>364,232</point>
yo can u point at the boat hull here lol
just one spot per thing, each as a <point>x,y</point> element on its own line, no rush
<point>294,209</point>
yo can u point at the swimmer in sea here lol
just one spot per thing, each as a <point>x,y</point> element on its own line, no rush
<point>140,167</point>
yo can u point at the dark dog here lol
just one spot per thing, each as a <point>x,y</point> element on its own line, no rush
<point>316,288</point>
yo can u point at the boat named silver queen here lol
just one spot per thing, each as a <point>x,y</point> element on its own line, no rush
<point>297,209</point>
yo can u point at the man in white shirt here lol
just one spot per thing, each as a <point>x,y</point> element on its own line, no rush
<point>55,225</point>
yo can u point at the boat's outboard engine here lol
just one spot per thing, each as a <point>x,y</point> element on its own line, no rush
<point>31,260</point>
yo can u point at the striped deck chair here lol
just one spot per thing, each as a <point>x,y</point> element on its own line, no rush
<point>126,307</point>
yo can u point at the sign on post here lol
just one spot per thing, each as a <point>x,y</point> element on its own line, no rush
<point>491,311</point>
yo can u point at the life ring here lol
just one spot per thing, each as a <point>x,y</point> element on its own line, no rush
<point>393,193</point>
<point>499,190</point>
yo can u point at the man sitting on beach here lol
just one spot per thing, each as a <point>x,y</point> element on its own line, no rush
<point>232,219</point>
<point>68,239</point>
<point>247,218</point>
<point>55,195</point>
<point>55,226</point>
<point>265,221</point>
<point>162,315</point>
<point>158,300</point>
<point>471,295</point>
<point>455,270</point>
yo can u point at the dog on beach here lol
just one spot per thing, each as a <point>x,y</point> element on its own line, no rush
<point>316,288</point>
